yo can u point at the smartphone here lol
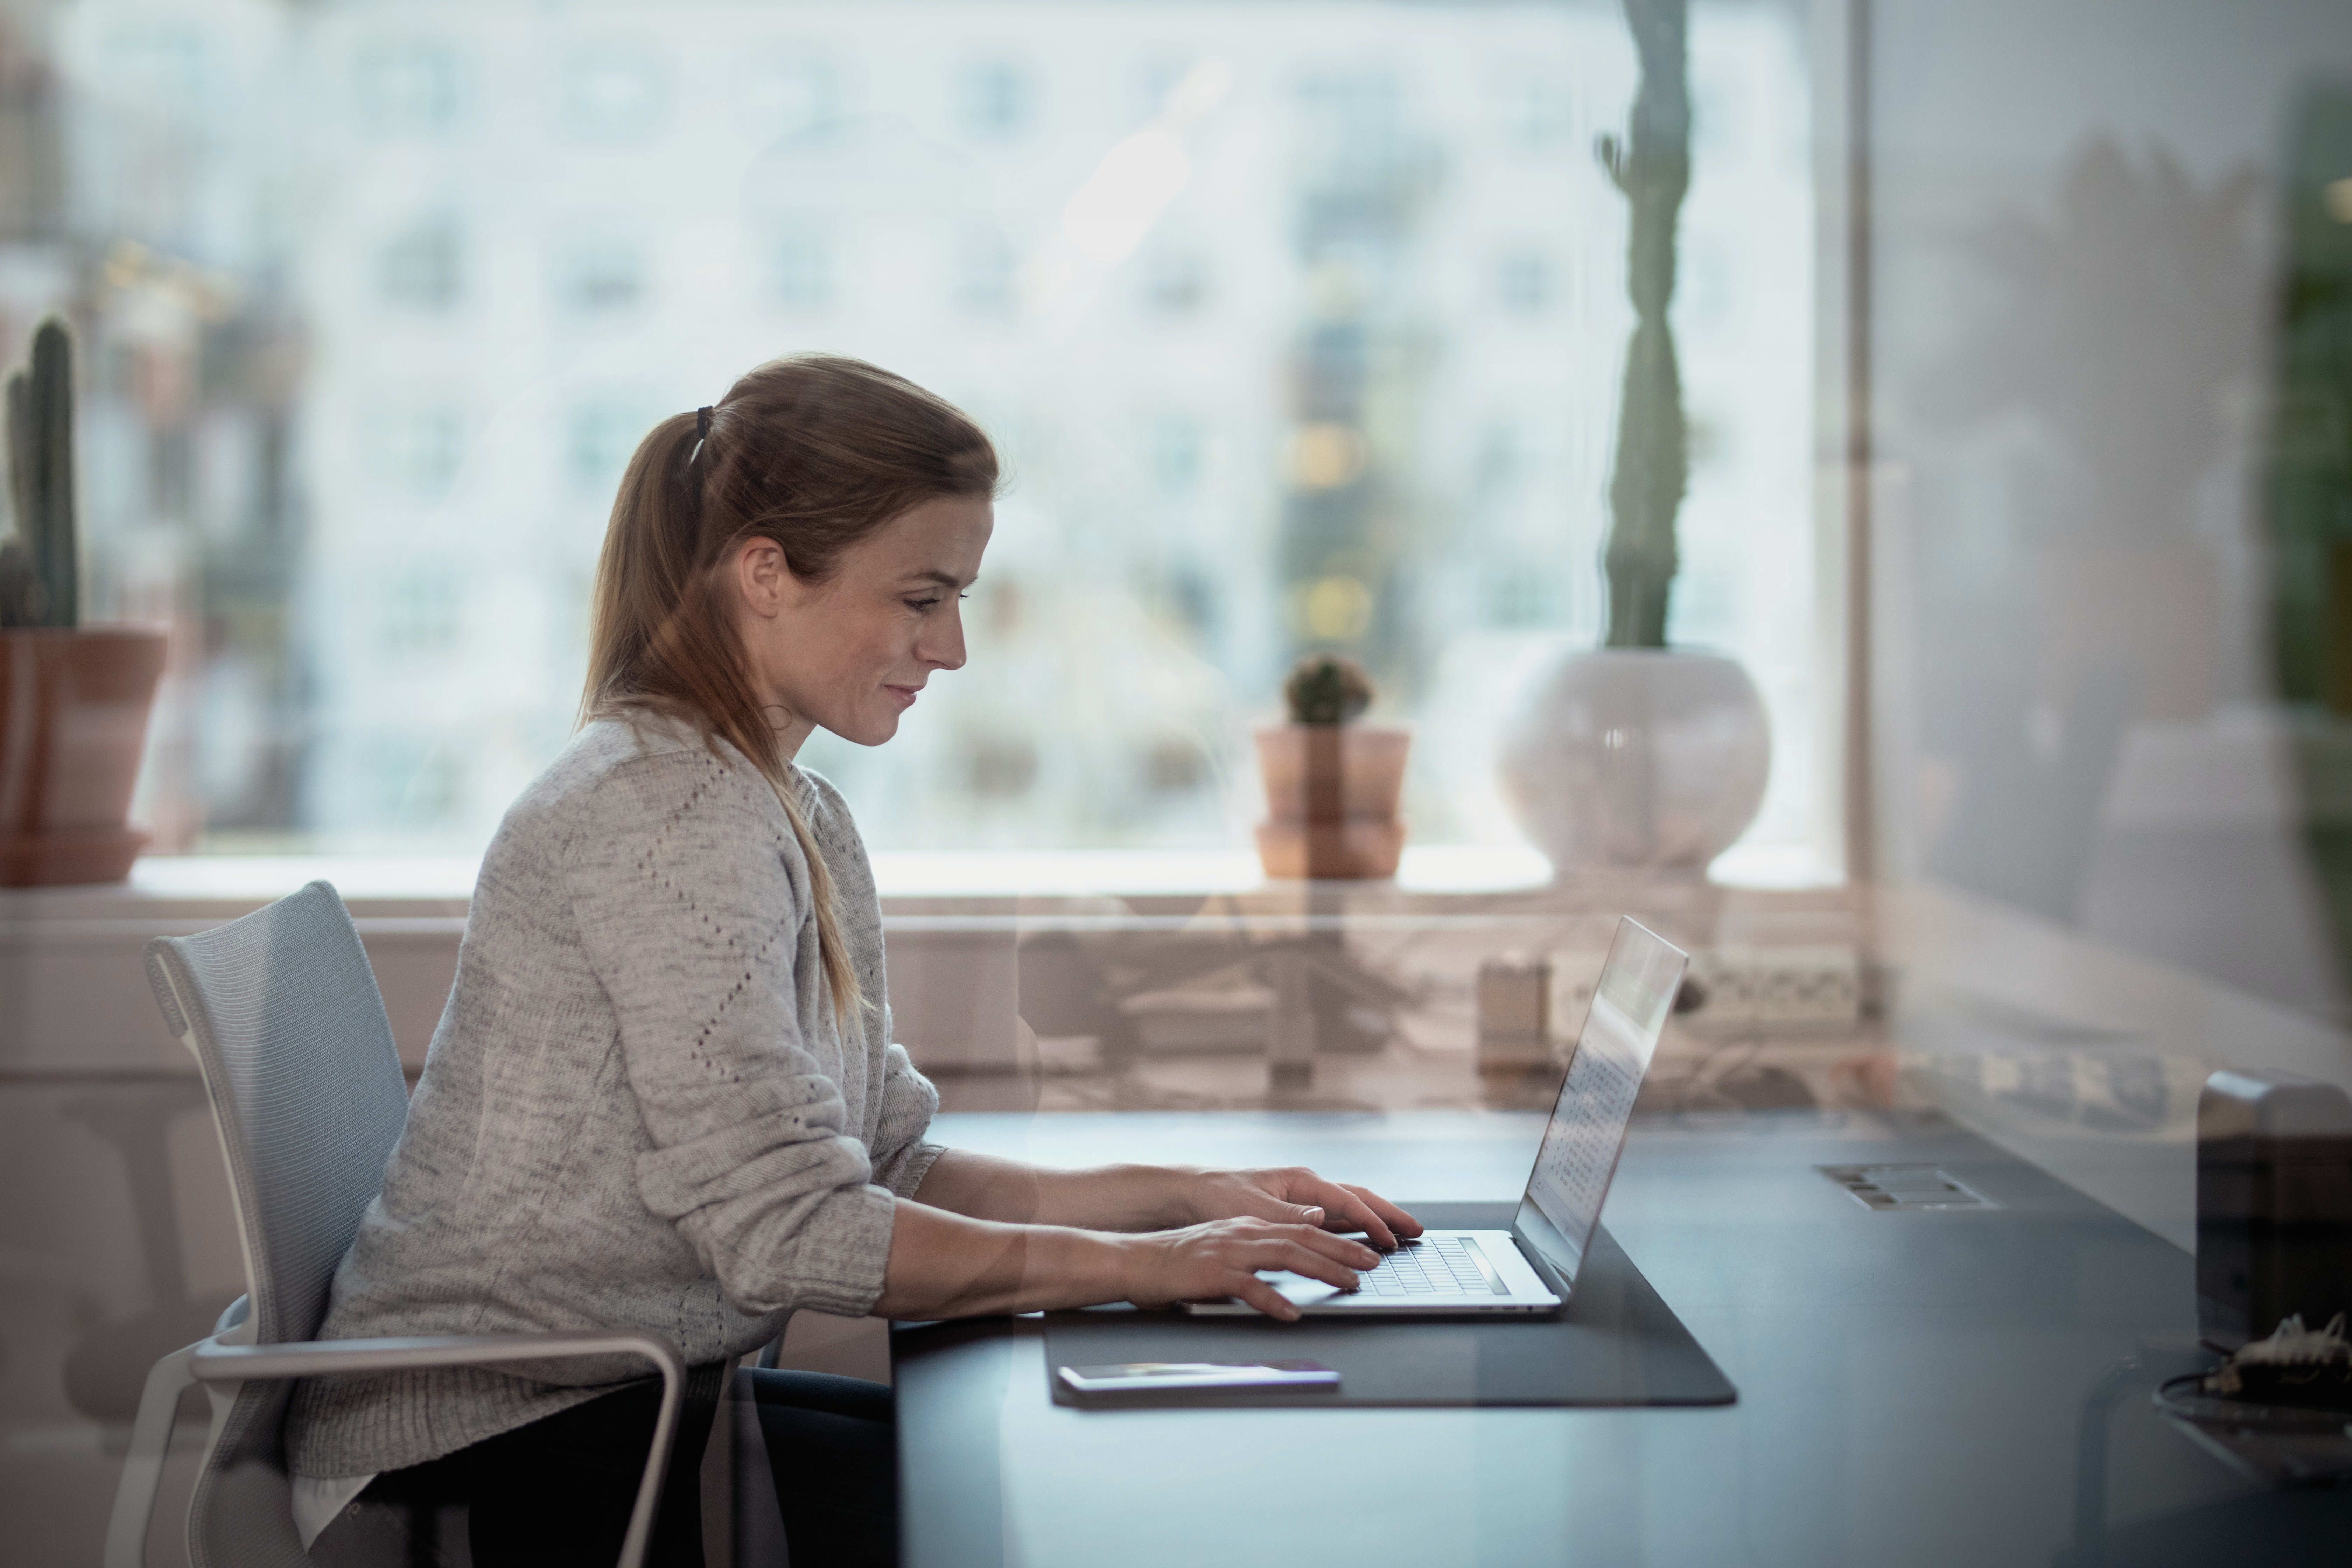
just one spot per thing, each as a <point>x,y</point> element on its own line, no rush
<point>1147,1376</point>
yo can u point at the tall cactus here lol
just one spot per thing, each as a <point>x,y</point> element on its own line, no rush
<point>40,569</point>
<point>1652,166</point>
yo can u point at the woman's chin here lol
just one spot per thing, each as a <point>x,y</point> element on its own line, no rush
<point>871,730</point>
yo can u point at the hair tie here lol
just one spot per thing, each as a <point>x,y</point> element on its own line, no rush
<point>702,423</point>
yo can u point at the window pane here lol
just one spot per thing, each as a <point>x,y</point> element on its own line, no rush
<point>1287,346</point>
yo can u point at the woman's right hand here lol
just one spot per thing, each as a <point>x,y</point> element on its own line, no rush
<point>1220,1258</point>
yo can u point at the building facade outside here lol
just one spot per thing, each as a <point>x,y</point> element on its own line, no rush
<point>1299,326</point>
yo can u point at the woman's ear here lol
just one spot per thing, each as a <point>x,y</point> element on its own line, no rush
<point>763,578</point>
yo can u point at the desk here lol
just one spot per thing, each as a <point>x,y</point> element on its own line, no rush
<point>1915,1389</point>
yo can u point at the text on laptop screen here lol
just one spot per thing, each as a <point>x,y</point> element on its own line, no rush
<point>1581,1143</point>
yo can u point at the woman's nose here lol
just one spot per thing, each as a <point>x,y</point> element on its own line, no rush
<point>943,649</point>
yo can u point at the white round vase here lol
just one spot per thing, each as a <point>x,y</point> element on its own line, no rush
<point>1637,759</point>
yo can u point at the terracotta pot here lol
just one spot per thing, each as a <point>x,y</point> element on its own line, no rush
<point>1332,800</point>
<point>73,721</point>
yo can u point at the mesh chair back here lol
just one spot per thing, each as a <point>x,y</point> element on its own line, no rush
<point>282,1012</point>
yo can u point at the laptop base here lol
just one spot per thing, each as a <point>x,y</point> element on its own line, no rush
<point>1442,1274</point>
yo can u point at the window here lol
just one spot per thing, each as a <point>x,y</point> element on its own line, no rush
<point>163,66</point>
<point>793,98</point>
<point>986,275</point>
<point>1347,378</point>
<point>1178,455</point>
<point>423,267</point>
<point>615,92</point>
<point>405,780</point>
<point>406,87</point>
<point>605,434</point>
<point>1524,282</point>
<point>420,451</point>
<point>1500,463</point>
<point>992,100</point>
<point>1175,281</point>
<point>1352,132</point>
<point>804,268</point>
<point>601,275</point>
<point>1538,114</point>
<point>420,611</point>
<point>1519,593</point>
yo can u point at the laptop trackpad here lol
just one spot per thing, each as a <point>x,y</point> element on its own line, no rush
<point>1297,1289</point>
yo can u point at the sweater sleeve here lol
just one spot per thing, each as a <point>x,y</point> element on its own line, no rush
<point>693,928</point>
<point>901,1155</point>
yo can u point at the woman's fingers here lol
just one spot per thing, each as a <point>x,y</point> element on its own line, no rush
<point>1395,1218</point>
<point>1345,1208</point>
<point>1301,1259</point>
<point>1345,1250</point>
<point>1349,1211</point>
<point>1255,1292</point>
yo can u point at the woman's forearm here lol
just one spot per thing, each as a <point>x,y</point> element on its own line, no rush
<point>1107,1197</point>
<point>946,1265</point>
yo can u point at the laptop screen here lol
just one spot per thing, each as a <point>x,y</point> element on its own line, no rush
<point>1578,1154</point>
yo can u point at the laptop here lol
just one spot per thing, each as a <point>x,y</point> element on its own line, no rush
<point>1530,1267</point>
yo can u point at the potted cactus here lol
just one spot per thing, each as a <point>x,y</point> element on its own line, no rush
<point>1331,783</point>
<point>1638,757</point>
<point>74,699</point>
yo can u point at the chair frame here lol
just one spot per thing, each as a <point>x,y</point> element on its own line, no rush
<point>218,1361</point>
<point>224,1362</point>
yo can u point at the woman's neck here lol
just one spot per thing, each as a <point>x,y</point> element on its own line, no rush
<point>792,730</point>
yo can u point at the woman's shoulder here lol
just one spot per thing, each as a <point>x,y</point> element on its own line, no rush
<point>830,820</point>
<point>631,773</point>
<point>824,802</point>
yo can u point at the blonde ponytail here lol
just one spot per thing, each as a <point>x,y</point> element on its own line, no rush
<point>841,982</point>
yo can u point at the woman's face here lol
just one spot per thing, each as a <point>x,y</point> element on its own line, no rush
<point>851,652</point>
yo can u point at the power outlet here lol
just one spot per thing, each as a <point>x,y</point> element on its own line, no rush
<point>1738,991</point>
<point>1776,990</point>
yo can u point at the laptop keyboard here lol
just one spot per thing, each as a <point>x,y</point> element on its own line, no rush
<point>1440,1267</point>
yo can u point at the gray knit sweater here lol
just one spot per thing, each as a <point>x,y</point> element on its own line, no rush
<point>637,1111</point>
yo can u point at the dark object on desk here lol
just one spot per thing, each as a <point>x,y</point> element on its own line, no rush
<point>1617,1343</point>
<point>2273,1204</point>
<point>2280,1410</point>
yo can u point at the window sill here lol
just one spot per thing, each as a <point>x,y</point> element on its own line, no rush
<point>204,888</point>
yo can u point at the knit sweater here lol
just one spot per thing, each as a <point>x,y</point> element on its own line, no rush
<point>638,1112</point>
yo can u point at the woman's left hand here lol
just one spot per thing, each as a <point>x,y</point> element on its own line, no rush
<point>1292,1194</point>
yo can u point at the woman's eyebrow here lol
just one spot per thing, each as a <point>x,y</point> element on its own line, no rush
<point>944,579</point>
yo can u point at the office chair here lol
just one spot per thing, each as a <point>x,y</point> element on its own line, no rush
<point>283,1015</point>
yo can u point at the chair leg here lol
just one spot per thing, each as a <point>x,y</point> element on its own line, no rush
<point>142,1466</point>
<point>641,1519</point>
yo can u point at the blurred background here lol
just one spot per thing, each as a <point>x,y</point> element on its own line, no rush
<point>1297,326</point>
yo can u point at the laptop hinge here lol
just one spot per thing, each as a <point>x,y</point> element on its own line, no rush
<point>1534,1255</point>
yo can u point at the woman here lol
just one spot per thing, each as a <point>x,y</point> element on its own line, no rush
<point>663,1095</point>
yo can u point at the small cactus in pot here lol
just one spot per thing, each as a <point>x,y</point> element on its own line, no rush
<point>1331,782</point>
<point>40,568</point>
<point>70,754</point>
<point>1324,689</point>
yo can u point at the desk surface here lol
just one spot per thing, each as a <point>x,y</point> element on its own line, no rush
<point>1917,1388</point>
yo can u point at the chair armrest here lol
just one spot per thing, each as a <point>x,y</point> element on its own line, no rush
<point>213,1363</point>
<point>209,1361</point>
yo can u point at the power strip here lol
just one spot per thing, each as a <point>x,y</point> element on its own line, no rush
<point>1812,990</point>
<point>1776,990</point>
